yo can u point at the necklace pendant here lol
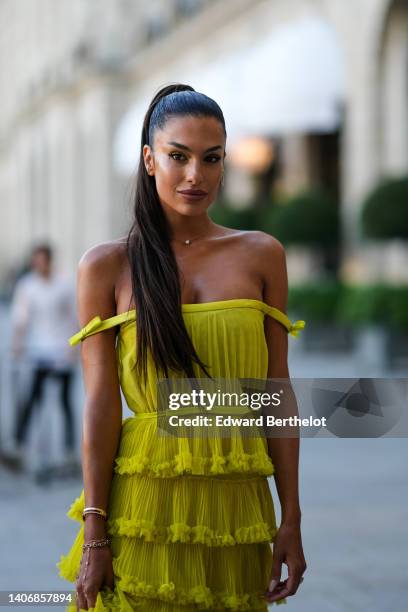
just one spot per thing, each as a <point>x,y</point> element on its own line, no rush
<point>187,241</point>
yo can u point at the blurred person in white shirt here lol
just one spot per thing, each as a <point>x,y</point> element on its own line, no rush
<point>42,319</point>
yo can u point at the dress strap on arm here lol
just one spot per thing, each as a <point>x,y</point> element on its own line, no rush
<point>97,324</point>
<point>292,328</point>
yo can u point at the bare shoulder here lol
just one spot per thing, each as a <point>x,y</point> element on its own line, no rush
<point>264,243</point>
<point>271,260</point>
<point>98,272</point>
<point>106,256</point>
<point>267,252</point>
<point>267,249</point>
<point>260,242</point>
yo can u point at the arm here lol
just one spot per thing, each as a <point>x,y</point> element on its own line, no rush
<point>20,316</point>
<point>72,320</point>
<point>284,451</point>
<point>103,408</point>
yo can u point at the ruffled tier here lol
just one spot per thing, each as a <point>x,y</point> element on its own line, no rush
<point>238,577</point>
<point>145,450</point>
<point>195,542</point>
<point>211,511</point>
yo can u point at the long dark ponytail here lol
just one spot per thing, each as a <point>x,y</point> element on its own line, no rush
<point>155,276</point>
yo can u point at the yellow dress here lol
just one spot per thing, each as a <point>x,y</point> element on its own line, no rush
<point>191,520</point>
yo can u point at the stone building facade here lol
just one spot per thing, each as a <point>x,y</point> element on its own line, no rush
<point>72,71</point>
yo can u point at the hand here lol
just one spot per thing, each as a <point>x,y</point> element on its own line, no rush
<point>287,548</point>
<point>95,572</point>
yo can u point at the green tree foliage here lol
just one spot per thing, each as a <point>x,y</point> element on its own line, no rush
<point>385,211</point>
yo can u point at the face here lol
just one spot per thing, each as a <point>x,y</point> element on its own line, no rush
<point>41,263</point>
<point>187,161</point>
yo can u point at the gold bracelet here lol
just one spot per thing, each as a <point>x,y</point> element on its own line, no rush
<point>94,510</point>
<point>96,543</point>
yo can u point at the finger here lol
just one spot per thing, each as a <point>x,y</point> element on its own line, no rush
<point>289,587</point>
<point>80,598</point>
<point>91,599</point>
<point>276,573</point>
<point>277,587</point>
<point>110,579</point>
<point>277,596</point>
<point>293,581</point>
<point>277,592</point>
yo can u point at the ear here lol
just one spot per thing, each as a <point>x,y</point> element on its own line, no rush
<point>148,159</point>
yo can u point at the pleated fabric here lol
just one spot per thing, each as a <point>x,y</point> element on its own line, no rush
<point>191,520</point>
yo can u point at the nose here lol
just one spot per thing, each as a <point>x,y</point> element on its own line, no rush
<point>194,172</point>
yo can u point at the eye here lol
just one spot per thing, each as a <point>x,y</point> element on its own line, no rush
<point>176,155</point>
<point>213,158</point>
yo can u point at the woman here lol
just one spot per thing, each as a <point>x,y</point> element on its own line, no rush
<point>190,521</point>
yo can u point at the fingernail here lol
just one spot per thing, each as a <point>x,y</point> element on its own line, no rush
<point>272,585</point>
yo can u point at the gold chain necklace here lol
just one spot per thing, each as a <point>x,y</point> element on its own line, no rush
<point>188,241</point>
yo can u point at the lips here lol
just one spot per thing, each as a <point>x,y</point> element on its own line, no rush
<point>193,192</point>
<point>193,195</point>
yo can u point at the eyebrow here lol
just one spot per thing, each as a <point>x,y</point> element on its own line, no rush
<point>181,146</point>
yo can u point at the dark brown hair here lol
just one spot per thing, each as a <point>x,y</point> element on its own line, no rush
<point>155,276</point>
<point>43,247</point>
